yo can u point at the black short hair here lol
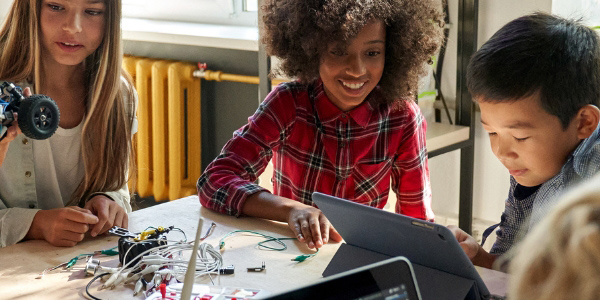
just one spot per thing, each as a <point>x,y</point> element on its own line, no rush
<point>557,58</point>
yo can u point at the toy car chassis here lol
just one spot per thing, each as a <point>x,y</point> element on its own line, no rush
<point>38,115</point>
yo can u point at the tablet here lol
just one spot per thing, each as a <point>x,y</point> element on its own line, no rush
<point>441,266</point>
<point>392,278</point>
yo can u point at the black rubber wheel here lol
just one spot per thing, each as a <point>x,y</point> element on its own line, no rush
<point>38,117</point>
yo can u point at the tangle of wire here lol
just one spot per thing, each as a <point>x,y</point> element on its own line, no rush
<point>164,261</point>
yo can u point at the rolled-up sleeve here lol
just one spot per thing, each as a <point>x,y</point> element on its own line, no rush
<point>230,178</point>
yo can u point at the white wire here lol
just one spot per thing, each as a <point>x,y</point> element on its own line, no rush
<point>209,260</point>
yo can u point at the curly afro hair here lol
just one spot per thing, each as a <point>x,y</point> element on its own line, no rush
<point>298,31</point>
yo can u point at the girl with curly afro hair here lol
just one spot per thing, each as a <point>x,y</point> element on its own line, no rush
<point>347,126</point>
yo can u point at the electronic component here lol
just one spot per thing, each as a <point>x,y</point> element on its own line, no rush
<point>91,267</point>
<point>227,270</point>
<point>119,231</point>
<point>131,244</point>
<point>129,248</point>
<point>148,234</point>
<point>258,269</point>
<point>165,261</point>
<point>203,291</point>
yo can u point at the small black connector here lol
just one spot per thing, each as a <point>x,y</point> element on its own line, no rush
<point>227,270</point>
<point>258,269</point>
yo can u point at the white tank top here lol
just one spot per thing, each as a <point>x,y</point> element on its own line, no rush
<point>58,157</point>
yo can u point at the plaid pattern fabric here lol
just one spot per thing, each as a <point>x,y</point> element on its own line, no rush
<point>520,216</point>
<point>317,147</point>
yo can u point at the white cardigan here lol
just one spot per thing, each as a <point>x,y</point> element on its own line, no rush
<point>29,180</point>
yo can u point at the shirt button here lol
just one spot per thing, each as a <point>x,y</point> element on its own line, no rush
<point>31,205</point>
<point>25,141</point>
<point>27,174</point>
<point>342,144</point>
<point>343,116</point>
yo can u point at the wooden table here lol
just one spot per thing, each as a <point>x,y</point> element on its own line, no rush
<point>21,263</point>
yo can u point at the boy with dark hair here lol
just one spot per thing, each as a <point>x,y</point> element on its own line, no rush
<point>537,83</point>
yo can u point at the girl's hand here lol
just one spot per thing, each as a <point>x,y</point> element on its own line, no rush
<point>61,226</point>
<point>11,132</point>
<point>311,226</point>
<point>109,214</point>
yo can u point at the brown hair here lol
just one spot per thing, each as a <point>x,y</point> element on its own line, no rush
<point>106,143</point>
<point>299,31</point>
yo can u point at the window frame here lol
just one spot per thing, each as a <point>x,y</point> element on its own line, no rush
<point>220,12</point>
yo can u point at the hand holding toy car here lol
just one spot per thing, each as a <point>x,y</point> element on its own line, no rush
<point>38,115</point>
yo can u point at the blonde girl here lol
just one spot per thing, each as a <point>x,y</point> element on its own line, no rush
<point>560,259</point>
<point>76,181</point>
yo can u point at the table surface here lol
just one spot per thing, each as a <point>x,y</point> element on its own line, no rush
<point>20,264</point>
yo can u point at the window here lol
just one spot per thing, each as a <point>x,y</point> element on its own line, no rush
<point>223,12</point>
<point>250,5</point>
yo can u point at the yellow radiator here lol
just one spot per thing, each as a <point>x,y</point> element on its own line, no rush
<point>168,139</point>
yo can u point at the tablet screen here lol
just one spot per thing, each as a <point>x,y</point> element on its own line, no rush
<point>389,279</point>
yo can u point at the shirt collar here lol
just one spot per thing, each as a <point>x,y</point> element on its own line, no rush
<point>580,155</point>
<point>328,112</point>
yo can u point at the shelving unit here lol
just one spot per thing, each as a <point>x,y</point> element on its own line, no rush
<point>465,108</point>
<point>461,136</point>
<point>441,138</point>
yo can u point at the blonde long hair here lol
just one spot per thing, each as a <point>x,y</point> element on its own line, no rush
<point>106,143</point>
<point>560,259</point>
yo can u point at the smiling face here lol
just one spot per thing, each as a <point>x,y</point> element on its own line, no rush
<point>528,141</point>
<point>71,30</point>
<point>350,74</point>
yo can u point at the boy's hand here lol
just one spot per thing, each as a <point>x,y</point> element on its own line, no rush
<point>467,242</point>
<point>61,226</point>
<point>312,227</point>
<point>474,251</point>
<point>109,214</point>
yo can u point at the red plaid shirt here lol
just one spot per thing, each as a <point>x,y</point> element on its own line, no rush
<point>317,147</point>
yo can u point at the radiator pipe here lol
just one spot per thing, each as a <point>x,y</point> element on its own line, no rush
<point>220,76</point>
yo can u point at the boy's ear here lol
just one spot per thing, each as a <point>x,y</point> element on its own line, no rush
<point>589,117</point>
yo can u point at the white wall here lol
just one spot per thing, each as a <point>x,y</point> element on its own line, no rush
<point>588,10</point>
<point>4,6</point>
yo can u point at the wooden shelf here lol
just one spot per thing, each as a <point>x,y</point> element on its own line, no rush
<point>442,135</point>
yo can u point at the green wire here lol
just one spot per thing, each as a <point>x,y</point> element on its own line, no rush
<point>108,252</point>
<point>260,244</point>
<point>74,260</point>
<point>268,239</point>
